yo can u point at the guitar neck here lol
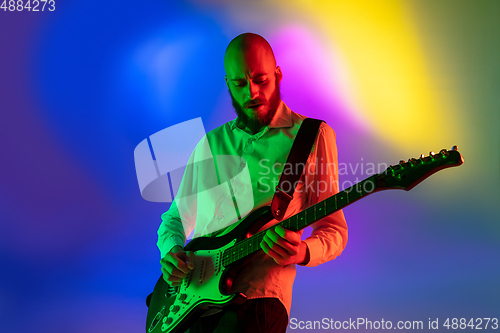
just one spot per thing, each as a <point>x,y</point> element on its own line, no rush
<point>404,175</point>
<point>305,218</point>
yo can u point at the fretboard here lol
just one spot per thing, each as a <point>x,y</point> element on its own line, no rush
<point>303,219</point>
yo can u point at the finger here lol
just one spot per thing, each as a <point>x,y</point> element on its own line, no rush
<point>190,260</point>
<point>292,237</point>
<point>274,247</point>
<point>176,273</point>
<point>170,279</point>
<point>274,255</point>
<point>170,269</point>
<point>177,260</point>
<point>172,283</point>
<point>273,237</point>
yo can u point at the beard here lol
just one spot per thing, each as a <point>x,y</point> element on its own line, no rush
<point>255,124</point>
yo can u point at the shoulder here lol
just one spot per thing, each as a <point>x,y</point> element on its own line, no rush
<point>324,129</point>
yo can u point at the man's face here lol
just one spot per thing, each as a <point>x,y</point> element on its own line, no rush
<point>253,83</point>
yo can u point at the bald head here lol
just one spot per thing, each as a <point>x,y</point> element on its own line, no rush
<point>246,46</point>
<point>253,80</point>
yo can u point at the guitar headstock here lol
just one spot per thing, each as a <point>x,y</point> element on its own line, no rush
<point>407,175</point>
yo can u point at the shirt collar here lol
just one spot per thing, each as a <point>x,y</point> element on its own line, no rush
<point>282,118</point>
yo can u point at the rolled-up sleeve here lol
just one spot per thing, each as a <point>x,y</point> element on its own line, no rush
<point>171,231</point>
<point>329,236</point>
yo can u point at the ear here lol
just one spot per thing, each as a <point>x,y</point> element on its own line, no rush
<point>279,75</point>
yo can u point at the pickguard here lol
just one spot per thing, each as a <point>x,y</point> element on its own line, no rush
<point>199,290</point>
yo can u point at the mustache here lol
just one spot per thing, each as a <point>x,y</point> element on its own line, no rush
<point>253,102</point>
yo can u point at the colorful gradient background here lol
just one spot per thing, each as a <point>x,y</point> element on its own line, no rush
<point>80,87</point>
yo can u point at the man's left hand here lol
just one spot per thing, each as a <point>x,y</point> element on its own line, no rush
<point>285,246</point>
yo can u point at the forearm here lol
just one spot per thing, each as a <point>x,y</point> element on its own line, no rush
<point>328,239</point>
<point>303,256</point>
<point>171,232</point>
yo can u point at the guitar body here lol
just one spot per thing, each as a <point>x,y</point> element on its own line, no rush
<point>207,287</point>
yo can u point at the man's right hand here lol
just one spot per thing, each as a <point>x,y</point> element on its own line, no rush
<point>176,264</point>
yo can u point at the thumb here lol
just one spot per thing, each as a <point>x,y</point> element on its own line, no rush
<point>190,260</point>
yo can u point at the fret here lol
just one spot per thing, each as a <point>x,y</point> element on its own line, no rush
<point>342,200</point>
<point>318,211</point>
<point>353,194</point>
<point>331,204</point>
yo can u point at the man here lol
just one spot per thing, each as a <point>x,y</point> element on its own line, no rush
<point>261,135</point>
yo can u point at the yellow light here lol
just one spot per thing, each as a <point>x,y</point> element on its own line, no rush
<point>391,80</point>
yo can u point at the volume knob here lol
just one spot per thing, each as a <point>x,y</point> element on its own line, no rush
<point>174,308</point>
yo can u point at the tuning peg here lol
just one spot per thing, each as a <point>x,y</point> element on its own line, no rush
<point>401,162</point>
<point>443,151</point>
<point>422,156</point>
<point>432,153</point>
<point>454,148</point>
<point>412,161</point>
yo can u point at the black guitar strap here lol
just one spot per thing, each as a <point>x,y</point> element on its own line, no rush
<point>294,166</point>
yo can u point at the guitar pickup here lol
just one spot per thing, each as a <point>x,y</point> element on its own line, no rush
<point>203,263</point>
<point>217,262</point>
<point>186,281</point>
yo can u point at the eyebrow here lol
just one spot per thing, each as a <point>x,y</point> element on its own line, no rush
<point>254,77</point>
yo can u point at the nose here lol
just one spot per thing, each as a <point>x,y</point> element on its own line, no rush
<point>253,90</point>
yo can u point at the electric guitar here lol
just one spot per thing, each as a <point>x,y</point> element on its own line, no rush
<point>208,286</point>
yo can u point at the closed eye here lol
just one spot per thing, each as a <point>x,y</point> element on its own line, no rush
<point>240,84</point>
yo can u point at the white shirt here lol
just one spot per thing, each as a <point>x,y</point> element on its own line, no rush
<point>243,178</point>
